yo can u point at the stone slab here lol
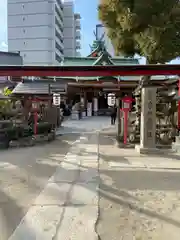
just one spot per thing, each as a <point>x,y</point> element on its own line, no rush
<point>142,150</point>
<point>84,194</point>
<point>79,223</point>
<point>54,194</point>
<point>88,175</point>
<point>39,223</point>
<point>68,174</point>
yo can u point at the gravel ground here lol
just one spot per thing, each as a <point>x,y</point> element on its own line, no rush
<point>138,204</point>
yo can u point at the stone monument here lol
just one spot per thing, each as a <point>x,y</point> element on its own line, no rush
<point>148,121</point>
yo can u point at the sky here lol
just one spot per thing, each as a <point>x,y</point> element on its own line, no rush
<point>89,15</point>
<point>89,19</point>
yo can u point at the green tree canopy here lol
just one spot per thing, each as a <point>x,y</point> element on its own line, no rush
<point>150,28</point>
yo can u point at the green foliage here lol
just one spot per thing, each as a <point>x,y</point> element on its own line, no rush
<point>7,91</point>
<point>5,106</point>
<point>150,28</point>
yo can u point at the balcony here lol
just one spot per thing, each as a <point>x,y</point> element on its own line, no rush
<point>78,54</point>
<point>78,44</point>
<point>78,35</point>
<point>77,16</point>
<point>77,25</point>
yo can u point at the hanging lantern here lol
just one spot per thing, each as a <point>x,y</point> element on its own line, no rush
<point>111,99</point>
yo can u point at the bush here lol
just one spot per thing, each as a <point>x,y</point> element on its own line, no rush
<point>43,128</point>
<point>16,132</point>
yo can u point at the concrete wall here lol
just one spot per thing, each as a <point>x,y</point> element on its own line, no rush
<point>10,59</point>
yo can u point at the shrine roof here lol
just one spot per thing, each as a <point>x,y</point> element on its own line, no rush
<point>90,61</point>
<point>37,87</point>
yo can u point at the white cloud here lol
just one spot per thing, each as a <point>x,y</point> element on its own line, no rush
<point>3,46</point>
<point>3,24</point>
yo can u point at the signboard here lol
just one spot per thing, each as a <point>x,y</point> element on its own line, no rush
<point>111,99</point>
<point>126,105</point>
<point>56,99</point>
<point>59,88</point>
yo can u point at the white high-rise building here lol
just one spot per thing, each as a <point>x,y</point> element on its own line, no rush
<point>72,33</point>
<point>36,28</point>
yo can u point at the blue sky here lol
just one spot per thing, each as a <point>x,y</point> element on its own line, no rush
<point>88,11</point>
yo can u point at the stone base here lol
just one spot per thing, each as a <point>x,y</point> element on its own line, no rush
<point>157,150</point>
<point>83,114</point>
<point>75,115</point>
<point>24,142</point>
<point>122,145</point>
<point>177,139</point>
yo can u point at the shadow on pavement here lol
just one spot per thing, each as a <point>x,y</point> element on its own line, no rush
<point>23,175</point>
<point>10,215</point>
<point>116,186</point>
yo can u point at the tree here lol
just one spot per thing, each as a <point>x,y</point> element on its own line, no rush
<point>149,28</point>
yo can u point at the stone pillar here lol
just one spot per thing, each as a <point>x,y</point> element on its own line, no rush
<point>85,102</point>
<point>148,121</point>
<point>95,106</point>
<point>83,113</point>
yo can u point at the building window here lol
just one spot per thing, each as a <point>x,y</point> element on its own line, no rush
<point>58,58</point>
<point>59,48</point>
<point>58,13</point>
<point>58,24</point>
<point>24,43</point>
<point>58,36</point>
<point>23,6</point>
<point>60,4</point>
<point>23,18</point>
<point>24,31</point>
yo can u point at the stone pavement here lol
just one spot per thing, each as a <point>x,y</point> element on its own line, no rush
<point>87,124</point>
<point>24,173</point>
<point>139,195</point>
<point>129,158</point>
<point>67,208</point>
<point>121,158</point>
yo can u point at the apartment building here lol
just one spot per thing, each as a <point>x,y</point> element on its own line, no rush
<point>72,30</point>
<point>36,29</point>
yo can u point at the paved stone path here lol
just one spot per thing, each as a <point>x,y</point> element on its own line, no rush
<point>67,208</point>
<point>24,172</point>
<point>139,196</point>
<point>88,124</point>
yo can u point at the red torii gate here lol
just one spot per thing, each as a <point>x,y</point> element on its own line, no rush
<point>84,71</point>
